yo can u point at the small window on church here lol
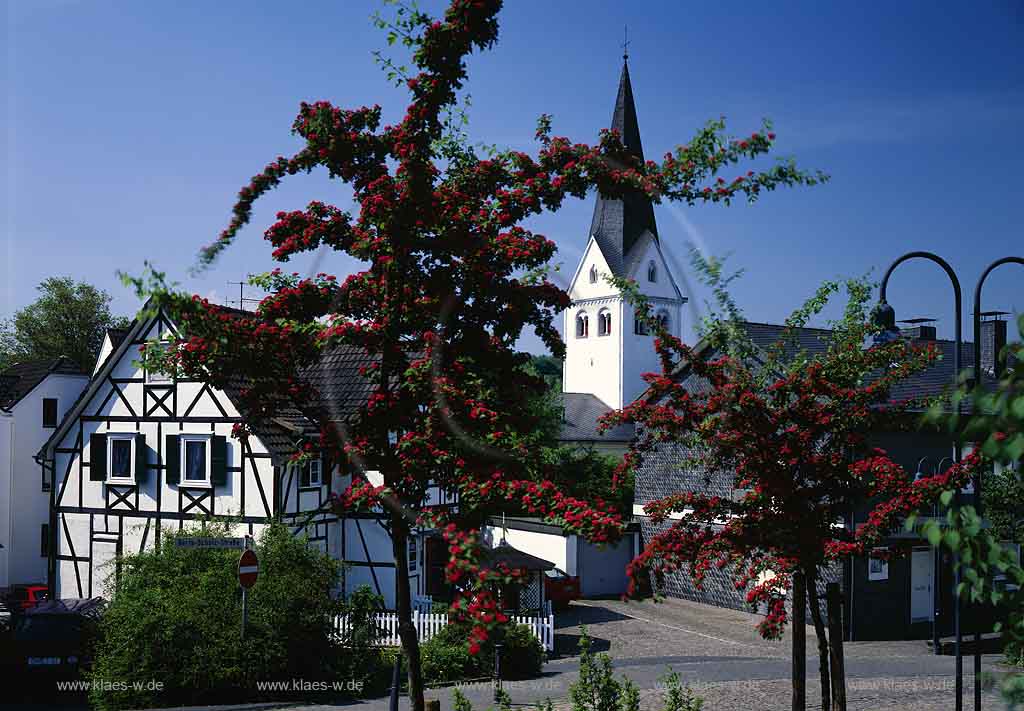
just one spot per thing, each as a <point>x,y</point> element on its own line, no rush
<point>604,323</point>
<point>582,325</point>
<point>652,271</point>
<point>663,319</point>
<point>593,275</point>
<point>639,326</point>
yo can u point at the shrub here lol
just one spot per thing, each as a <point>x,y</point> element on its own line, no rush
<point>446,655</point>
<point>597,689</point>
<point>678,697</point>
<point>184,605</point>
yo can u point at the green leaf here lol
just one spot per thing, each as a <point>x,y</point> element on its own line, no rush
<point>934,534</point>
<point>952,539</point>
<point>946,497</point>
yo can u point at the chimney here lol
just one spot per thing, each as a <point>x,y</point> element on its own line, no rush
<point>918,329</point>
<point>993,340</point>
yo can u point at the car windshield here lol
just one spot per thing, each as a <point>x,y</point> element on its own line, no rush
<point>47,628</point>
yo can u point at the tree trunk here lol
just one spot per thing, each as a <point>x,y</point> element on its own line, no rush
<point>406,628</point>
<point>824,677</point>
<point>835,636</point>
<point>798,625</point>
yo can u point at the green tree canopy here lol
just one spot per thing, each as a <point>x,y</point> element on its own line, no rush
<point>68,319</point>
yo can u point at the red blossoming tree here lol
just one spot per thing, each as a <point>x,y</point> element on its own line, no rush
<point>452,280</point>
<point>789,431</point>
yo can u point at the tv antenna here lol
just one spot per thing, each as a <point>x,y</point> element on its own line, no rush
<point>242,298</point>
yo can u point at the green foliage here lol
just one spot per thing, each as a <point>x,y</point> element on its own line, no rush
<point>446,656</point>
<point>988,566</point>
<point>460,702</point>
<point>363,661</point>
<point>677,697</point>
<point>185,605</point>
<point>68,319</point>
<point>597,689</point>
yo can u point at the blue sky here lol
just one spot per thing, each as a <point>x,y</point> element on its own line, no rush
<point>130,127</point>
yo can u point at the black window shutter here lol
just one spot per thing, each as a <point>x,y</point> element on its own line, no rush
<point>304,473</point>
<point>325,468</point>
<point>141,459</point>
<point>44,541</point>
<point>172,459</point>
<point>218,459</point>
<point>97,457</point>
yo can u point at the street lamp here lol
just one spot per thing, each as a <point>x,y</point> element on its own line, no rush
<point>885,318</point>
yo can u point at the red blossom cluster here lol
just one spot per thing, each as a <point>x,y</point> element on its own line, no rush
<point>793,441</point>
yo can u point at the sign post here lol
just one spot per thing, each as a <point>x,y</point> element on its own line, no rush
<point>248,571</point>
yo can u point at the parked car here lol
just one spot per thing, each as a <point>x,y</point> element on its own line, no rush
<point>561,588</point>
<point>23,597</point>
<point>54,638</point>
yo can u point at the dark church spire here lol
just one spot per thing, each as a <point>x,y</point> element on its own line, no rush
<point>618,224</point>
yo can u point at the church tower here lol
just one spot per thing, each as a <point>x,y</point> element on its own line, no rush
<point>607,351</point>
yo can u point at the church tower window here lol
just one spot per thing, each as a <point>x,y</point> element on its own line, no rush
<point>582,325</point>
<point>593,275</point>
<point>652,271</point>
<point>604,323</point>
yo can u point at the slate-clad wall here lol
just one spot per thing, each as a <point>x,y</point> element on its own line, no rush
<point>665,471</point>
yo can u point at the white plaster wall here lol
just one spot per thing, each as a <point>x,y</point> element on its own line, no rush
<point>552,547</point>
<point>30,505</point>
<point>6,430</point>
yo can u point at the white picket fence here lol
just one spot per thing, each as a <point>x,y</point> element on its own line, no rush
<point>430,623</point>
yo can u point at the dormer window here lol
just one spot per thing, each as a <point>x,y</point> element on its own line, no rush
<point>652,271</point>
<point>593,275</point>
<point>582,325</point>
<point>604,323</point>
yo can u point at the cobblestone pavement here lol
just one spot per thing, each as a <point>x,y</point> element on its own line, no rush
<point>719,653</point>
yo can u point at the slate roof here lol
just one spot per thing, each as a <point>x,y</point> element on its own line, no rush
<point>515,558</point>
<point>336,378</point>
<point>931,383</point>
<point>18,380</point>
<point>618,224</point>
<point>579,423</point>
<point>117,336</point>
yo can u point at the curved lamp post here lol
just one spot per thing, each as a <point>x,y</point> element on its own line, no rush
<point>885,318</point>
<point>977,481</point>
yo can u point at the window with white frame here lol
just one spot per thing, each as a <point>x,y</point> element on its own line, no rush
<point>663,319</point>
<point>639,326</point>
<point>310,472</point>
<point>604,323</point>
<point>195,459</point>
<point>582,325</point>
<point>121,457</point>
<point>158,377</point>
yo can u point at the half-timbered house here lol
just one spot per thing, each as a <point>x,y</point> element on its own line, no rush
<point>141,452</point>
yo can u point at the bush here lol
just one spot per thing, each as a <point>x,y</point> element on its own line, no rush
<point>446,655</point>
<point>176,618</point>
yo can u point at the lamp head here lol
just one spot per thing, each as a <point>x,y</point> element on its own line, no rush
<point>884,317</point>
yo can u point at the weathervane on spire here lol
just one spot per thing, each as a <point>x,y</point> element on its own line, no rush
<point>625,43</point>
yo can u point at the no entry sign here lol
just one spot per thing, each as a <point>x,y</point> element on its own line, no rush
<point>248,569</point>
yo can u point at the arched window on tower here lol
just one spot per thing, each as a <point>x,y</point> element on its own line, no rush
<point>663,319</point>
<point>652,271</point>
<point>604,322</point>
<point>593,275</point>
<point>582,325</point>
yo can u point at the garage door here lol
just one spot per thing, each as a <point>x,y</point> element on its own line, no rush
<point>603,571</point>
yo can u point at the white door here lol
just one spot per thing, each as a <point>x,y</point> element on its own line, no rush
<point>921,593</point>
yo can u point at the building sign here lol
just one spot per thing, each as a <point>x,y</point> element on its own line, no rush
<point>235,543</point>
<point>878,568</point>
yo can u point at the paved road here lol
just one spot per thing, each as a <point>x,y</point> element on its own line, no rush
<point>719,653</point>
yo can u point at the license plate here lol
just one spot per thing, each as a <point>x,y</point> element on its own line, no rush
<point>43,661</point>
